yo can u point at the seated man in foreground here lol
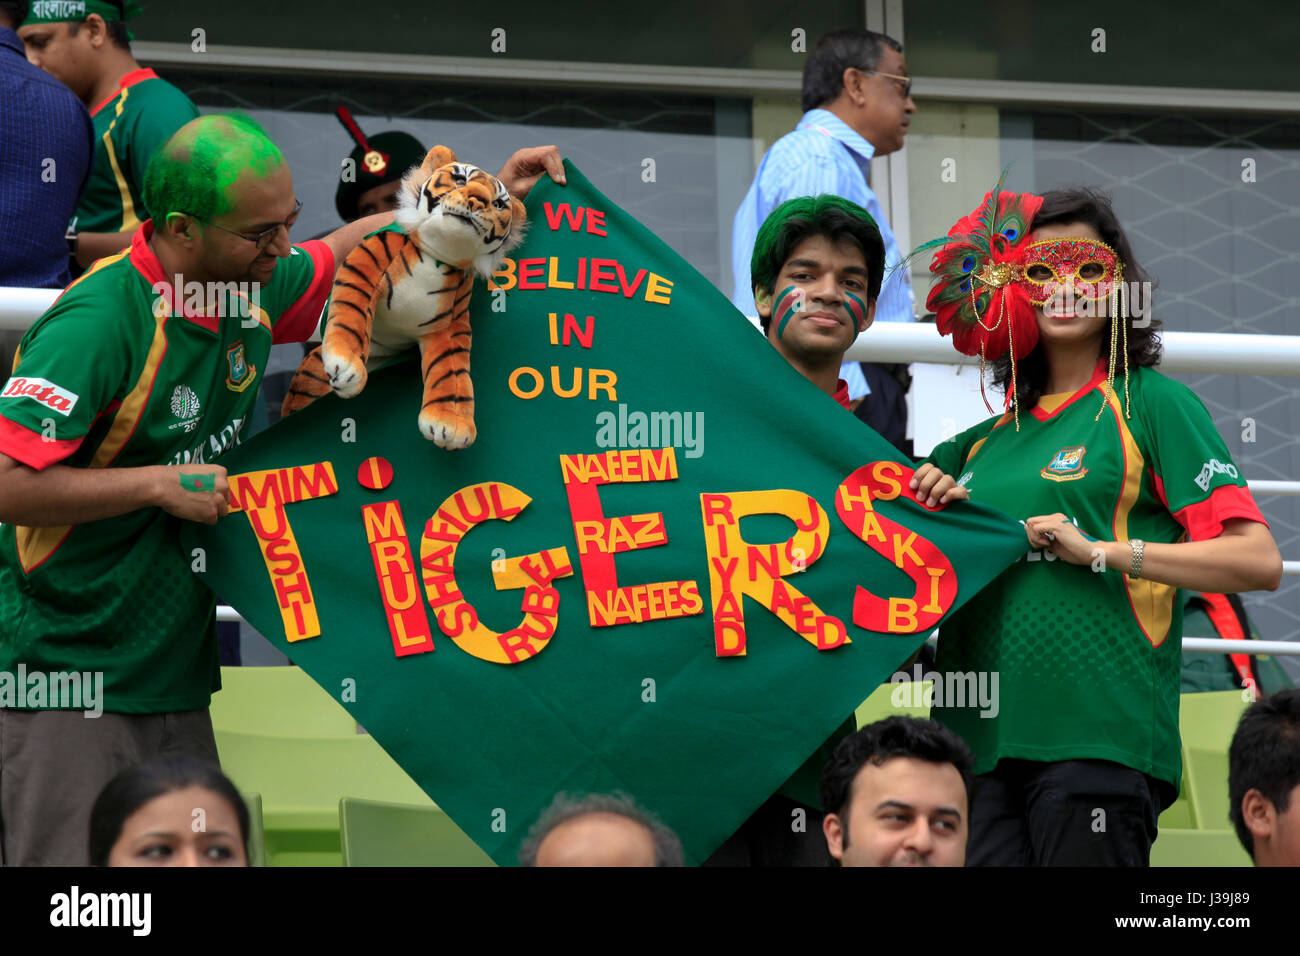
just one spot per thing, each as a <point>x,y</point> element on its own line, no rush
<point>1264,780</point>
<point>897,793</point>
<point>599,830</point>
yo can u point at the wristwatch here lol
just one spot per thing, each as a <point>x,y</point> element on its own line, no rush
<point>1136,545</point>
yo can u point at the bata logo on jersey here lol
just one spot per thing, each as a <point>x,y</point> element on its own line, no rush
<point>39,390</point>
<point>185,406</point>
<point>1210,469</point>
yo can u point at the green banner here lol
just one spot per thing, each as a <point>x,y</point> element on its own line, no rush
<point>669,565</point>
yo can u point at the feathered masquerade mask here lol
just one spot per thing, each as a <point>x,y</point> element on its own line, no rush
<point>990,280</point>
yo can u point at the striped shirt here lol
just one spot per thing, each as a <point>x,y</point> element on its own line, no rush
<point>45,154</point>
<point>822,155</point>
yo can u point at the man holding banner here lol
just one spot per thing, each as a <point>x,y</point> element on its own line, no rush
<point>826,257</point>
<point>124,392</point>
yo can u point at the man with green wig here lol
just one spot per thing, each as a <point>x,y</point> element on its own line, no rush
<point>86,45</point>
<point>123,393</point>
<point>816,271</point>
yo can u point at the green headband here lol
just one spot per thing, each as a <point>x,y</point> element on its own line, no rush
<point>64,11</point>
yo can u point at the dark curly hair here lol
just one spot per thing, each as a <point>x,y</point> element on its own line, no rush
<point>897,736</point>
<point>1092,206</point>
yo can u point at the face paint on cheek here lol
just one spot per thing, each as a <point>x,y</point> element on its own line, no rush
<point>788,304</point>
<point>857,309</point>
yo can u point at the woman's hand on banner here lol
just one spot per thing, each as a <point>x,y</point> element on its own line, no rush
<point>933,487</point>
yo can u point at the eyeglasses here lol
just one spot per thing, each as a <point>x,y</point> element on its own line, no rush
<point>906,80</point>
<point>266,236</point>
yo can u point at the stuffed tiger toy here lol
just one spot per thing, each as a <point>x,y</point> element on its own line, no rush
<point>396,288</point>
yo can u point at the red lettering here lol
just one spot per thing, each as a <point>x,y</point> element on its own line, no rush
<point>602,276</point>
<point>531,273</point>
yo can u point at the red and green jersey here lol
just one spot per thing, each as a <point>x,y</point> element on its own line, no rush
<point>1087,660</point>
<point>130,126</point>
<point>114,376</point>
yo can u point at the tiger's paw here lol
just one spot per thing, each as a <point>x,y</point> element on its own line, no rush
<point>346,373</point>
<point>451,434</point>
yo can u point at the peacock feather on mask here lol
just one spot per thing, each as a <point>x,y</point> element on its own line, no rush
<point>976,298</point>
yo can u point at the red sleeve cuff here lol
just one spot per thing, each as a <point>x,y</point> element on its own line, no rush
<point>1204,519</point>
<point>29,447</point>
<point>299,320</point>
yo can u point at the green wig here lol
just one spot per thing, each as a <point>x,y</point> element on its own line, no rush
<point>797,219</point>
<point>193,172</point>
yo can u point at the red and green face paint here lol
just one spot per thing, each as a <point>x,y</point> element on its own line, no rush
<point>789,303</point>
<point>856,308</point>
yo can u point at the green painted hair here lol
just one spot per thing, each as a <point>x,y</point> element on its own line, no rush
<point>193,172</point>
<point>797,219</point>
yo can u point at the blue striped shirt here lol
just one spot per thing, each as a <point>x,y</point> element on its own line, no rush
<point>47,145</point>
<point>823,154</point>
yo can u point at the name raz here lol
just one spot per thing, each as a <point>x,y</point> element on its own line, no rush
<point>102,909</point>
<point>651,430</point>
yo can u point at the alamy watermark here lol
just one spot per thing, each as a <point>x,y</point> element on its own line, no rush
<point>657,429</point>
<point>237,300</point>
<point>53,690</point>
<point>953,689</point>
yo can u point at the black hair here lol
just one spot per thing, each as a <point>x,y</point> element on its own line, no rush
<point>1092,206</point>
<point>837,51</point>
<point>117,31</point>
<point>133,788</point>
<point>916,737</point>
<point>1264,756</point>
<point>795,220</point>
<point>15,10</point>
<point>668,848</point>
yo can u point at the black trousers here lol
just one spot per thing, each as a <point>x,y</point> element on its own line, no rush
<point>1068,813</point>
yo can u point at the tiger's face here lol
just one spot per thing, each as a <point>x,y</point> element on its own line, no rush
<point>459,213</point>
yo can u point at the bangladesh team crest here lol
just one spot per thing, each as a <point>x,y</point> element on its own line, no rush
<point>1066,465</point>
<point>239,374</point>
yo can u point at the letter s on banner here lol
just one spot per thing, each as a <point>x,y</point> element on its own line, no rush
<point>931,572</point>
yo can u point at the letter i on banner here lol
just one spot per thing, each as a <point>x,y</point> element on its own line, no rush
<point>408,624</point>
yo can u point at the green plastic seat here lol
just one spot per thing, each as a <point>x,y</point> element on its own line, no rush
<point>1179,815</point>
<point>1198,848</point>
<point>277,700</point>
<point>390,834</point>
<point>1206,723</point>
<point>910,697</point>
<point>302,779</point>
<point>256,835</point>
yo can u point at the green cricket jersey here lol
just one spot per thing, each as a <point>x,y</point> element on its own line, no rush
<point>1087,661</point>
<point>113,376</point>
<point>130,126</point>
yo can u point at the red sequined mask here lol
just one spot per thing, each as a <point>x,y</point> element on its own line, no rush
<point>1091,267</point>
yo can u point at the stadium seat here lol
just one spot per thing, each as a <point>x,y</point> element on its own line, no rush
<point>277,700</point>
<point>1178,816</point>
<point>389,834</point>
<point>1207,723</point>
<point>880,704</point>
<point>1198,848</point>
<point>256,837</point>
<point>302,779</point>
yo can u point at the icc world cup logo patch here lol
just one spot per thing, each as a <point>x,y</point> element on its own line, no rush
<point>239,374</point>
<point>1066,465</point>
